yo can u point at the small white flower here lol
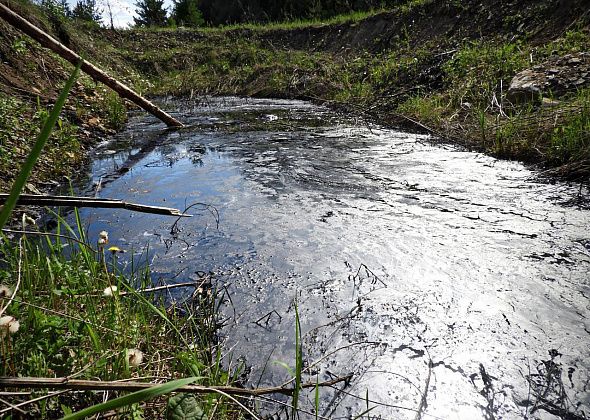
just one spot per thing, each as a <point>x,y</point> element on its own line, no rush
<point>134,357</point>
<point>109,291</point>
<point>103,238</point>
<point>8,324</point>
<point>5,291</point>
<point>28,220</point>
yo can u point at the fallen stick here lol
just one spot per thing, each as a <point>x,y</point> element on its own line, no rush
<point>97,74</point>
<point>80,384</point>
<point>107,203</point>
<point>165,287</point>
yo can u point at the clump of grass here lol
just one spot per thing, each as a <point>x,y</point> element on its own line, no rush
<point>429,109</point>
<point>19,125</point>
<point>570,141</point>
<point>71,326</point>
<point>482,69</point>
<point>115,110</point>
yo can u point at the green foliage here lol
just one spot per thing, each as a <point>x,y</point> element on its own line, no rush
<point>88,11</point>
<point>27,167</point>
<point>573,41</point>
<point>570,140</point>
<point>428,109</point>
<point>19,126</point>
<point>57,8</point>
<point>115,109</point>
<point>480,70</point>
<point>19,46</point>
<point>150,13</point>
<point>187,13</point>
<point>133,398</point>
<point>184,407</point>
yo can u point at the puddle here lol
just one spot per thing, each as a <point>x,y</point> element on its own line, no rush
<point>452,285</point>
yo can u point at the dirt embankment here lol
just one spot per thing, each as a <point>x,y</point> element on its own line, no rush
<point>440,64</point>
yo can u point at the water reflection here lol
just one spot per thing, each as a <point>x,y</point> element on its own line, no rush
<point>450,284</point>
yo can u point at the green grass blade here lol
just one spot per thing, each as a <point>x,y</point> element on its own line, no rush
<point>298,361</point>
<point>135,397</point>
<point>364,412</point>
<point>317,397</point>
<point>27,167</point>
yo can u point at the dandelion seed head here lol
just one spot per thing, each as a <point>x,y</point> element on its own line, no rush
<point>28,220</point>
<point>103,238</point>
<point>109,291</point>
<point>8,325</point>
<point>134,357</point>
<point>5,291</point>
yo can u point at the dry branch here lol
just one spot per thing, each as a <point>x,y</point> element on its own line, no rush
<point>97,74</point>
<point>107,203</point>
<point>78,384</point>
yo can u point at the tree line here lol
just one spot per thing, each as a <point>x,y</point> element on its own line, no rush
<point>195,13</point>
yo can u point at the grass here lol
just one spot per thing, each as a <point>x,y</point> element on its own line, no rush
<point>70,312</point>
<point>19,124</point>
<point>71,326</point>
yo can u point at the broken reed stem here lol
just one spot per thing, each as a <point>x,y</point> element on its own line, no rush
<point>67,201</point>
<point>79,384</point>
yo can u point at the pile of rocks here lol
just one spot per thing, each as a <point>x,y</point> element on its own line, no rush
<point>553,78</point>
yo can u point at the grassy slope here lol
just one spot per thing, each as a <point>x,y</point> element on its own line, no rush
<point>30,79</point>
<point>440,62</point>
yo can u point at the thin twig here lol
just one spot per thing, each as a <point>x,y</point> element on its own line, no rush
<point>424,398</point>
<point>78,384</point>
<point>65,315</point>
<point>43,397</point>
<point>12,407</point>
<point>165,287</point>
<point>218,391</point>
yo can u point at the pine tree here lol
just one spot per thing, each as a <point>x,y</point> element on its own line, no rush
<point>187,13</point>
<point>150,13</point>
<point>87,10</point>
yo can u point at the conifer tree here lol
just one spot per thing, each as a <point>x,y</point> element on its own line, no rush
<point>187,13</point>
<point>87,10</point>
<point>150,13</point>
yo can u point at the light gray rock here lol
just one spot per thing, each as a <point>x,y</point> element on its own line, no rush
<point>556,77</point>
